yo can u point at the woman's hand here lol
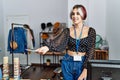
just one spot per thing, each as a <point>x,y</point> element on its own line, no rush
<point>42,50</point>
<point>83,75</point>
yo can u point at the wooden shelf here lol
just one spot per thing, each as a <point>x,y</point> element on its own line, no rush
<point>101,55</point>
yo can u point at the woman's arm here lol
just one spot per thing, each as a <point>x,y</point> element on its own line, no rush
<point>83,75</point>
<point>58,44</point>
<point>89,54</point>
<point>91,46</point>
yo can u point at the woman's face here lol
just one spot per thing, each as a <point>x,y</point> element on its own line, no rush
<point>76,17</point>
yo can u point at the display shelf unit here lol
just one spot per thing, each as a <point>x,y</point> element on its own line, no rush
<point>101,55</point>
<point>55,55</point>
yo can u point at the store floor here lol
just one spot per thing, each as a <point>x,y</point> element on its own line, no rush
<point>40,73</point>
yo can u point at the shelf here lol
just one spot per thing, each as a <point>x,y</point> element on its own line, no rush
<point>55,55</point>
<point>101,55</point>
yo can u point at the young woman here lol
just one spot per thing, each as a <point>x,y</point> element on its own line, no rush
<point>80,42</point>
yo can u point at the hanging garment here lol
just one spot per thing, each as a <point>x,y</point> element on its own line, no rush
<point>20,37</point>
<point>26,26</point>
<point>29,39</point>
<point>33,39</point>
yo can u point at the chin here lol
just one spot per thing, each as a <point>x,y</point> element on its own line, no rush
<point>75,23</point>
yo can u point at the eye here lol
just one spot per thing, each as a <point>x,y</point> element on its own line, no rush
<point>73,13</point>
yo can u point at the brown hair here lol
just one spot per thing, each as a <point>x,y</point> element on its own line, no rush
<point>82,9</point>
<point>26,26</point>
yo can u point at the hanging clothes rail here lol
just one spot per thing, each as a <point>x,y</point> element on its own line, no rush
<point>12,52</point>
<point>12,27</point>
<point>15,30</point>
<point>17,24</point>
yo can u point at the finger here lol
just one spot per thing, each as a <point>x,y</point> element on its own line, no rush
<point>37,50</point>
<point>80,78</point>
<point>43,51</point>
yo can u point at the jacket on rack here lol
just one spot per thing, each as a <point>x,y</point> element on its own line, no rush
<point>29,39</point>
<point>20,37</point>
<point>33,39</point>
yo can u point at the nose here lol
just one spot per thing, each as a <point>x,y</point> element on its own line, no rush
<point>75,15</point>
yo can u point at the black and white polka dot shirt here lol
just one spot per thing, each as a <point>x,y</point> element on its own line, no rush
<point>64,40</point>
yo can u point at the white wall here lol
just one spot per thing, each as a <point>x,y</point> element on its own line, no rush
<point>35,13</point>
<point>104,16</point>
<point>1,32</point>
<point>97,16</point>
<point>113,28</point>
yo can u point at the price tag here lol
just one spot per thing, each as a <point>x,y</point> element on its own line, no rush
<point>77,58</point>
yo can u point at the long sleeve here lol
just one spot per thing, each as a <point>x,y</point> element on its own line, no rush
<point>59,43</point>
<point>91,46</point>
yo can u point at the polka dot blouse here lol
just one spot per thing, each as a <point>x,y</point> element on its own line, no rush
<point>64,40</point>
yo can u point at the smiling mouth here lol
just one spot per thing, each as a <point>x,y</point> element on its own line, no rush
<point>75,19</point>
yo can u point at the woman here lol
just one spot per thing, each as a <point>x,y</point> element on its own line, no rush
<point>80,42</point>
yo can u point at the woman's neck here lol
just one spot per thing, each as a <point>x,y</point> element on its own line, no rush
<point>79,26</point>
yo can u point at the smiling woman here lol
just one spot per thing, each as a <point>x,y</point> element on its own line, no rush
<point>80,42</point>
<point>103,16</point>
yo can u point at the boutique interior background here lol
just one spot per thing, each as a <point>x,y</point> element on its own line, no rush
<point>103,15</point>
<point>33,13</point>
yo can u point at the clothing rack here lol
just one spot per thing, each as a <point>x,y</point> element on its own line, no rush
<point>12,27</point>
